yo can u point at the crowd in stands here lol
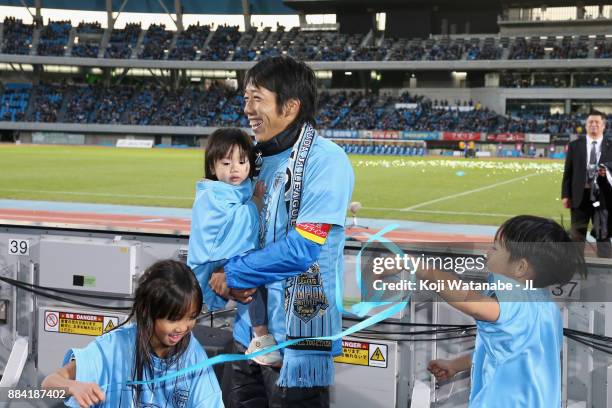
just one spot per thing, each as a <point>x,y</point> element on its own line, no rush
<point>189,42</point>
<point>222,42</point>
<point>156,42</point>
<point>521,49</point>
<point>569,49</point>
<point>54,38</point>
<point>596,79</point>
<point>89,38</point>
<point>488,51</point>
<point>14,102</point>
<point>89,28</point>
<point>85,50</point>
<point>603,48</point>
<point>17,37</point>
<point>217,105</point>
<point>123,41</point>
<point>228,43</point>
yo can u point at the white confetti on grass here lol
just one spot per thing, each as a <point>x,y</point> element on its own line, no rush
<point>537,167</point>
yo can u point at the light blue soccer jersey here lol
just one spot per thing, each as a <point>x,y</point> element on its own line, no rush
<point>327,189</point>
<point>517,360</point>
<point>109,360</point>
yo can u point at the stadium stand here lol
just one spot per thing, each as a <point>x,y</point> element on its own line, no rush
<point>14,101</point>
<point>218,105</point>
<point>156,42</point>
<point>54,38</point>
<point>223,41</point>
<point>89,37</point>
<point>17,37</point>
<point>227,42</point>
<point>190,42</point>
<point>123,41</point>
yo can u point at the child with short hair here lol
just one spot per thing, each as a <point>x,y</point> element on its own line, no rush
<point>154,341</point>
<point>516,361</point>
<point>225,223</point>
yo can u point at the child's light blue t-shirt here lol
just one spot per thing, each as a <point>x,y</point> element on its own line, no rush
<point>517,360</point>
<point>109,360</point>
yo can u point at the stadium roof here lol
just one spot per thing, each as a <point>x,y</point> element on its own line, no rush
<point>153,6</point>
<point>329,6</point>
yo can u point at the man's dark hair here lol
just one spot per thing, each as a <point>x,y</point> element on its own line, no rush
<point>288,79</point>
<point>545,245</point>
<point>221,143</point>
<point>595,112</point>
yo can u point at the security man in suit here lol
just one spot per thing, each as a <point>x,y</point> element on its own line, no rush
<point>587,185</point>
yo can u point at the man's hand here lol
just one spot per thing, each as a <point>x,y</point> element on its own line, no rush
<point>566,202</point>
<point>242,295</point>
<point>218,284</point>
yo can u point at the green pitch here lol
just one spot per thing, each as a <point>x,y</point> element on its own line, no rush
<point>447,190</point>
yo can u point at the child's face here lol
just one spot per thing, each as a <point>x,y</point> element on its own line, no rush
<point>232,169</point>
<point>498,260</point>
<point>167,333</point>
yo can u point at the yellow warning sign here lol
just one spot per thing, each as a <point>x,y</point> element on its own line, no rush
<point>109,326</point>
<point>353,352</point>
<point>362,353</point>
<point>378,355</point>
<point>74,323</point>
<point>78,323</point>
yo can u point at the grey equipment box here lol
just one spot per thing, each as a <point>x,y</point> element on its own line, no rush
<point>89,264</point>
<point>371,373</point>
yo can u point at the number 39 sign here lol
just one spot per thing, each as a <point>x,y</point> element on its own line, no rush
<point>18,247</point>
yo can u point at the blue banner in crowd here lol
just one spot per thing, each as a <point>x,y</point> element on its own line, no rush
<point>411,135</point>
<point>379,134</point>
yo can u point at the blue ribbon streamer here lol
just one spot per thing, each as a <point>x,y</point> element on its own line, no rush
<point>360,309</point>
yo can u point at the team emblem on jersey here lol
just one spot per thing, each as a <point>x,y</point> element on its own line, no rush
<point>309,297</point>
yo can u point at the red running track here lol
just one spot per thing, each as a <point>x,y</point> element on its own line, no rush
<point>180,226</point>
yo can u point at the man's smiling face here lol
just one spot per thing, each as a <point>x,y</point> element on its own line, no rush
<point>266,118</point>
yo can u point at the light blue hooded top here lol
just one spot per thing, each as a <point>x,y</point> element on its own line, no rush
<point>517,360</point>
<point>224,223</point>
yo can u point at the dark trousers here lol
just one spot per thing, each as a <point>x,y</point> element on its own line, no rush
<point>258,309</point>
<point>246,384</point>
<point>581,217</point>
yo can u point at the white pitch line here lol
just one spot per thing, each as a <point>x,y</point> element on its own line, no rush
<point>464,193</point>
<point>84,193</point>
<point>437,212</point>
<point>446,212</point>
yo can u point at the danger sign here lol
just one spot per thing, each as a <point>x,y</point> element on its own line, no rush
<point>78,323</point>
<point>362,353</point>
<point>51,321</point>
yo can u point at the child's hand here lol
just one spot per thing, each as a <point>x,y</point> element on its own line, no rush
<point>260,189</point>
<point>86,394</point>
<point>258,194</point>
<point>442,369</point>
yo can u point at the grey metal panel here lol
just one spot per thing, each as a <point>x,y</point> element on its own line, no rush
<point>104,265</point>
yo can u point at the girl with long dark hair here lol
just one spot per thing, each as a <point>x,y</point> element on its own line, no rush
<point>154,341</point>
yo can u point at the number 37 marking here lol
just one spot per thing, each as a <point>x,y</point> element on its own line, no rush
<point>18,247</point>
